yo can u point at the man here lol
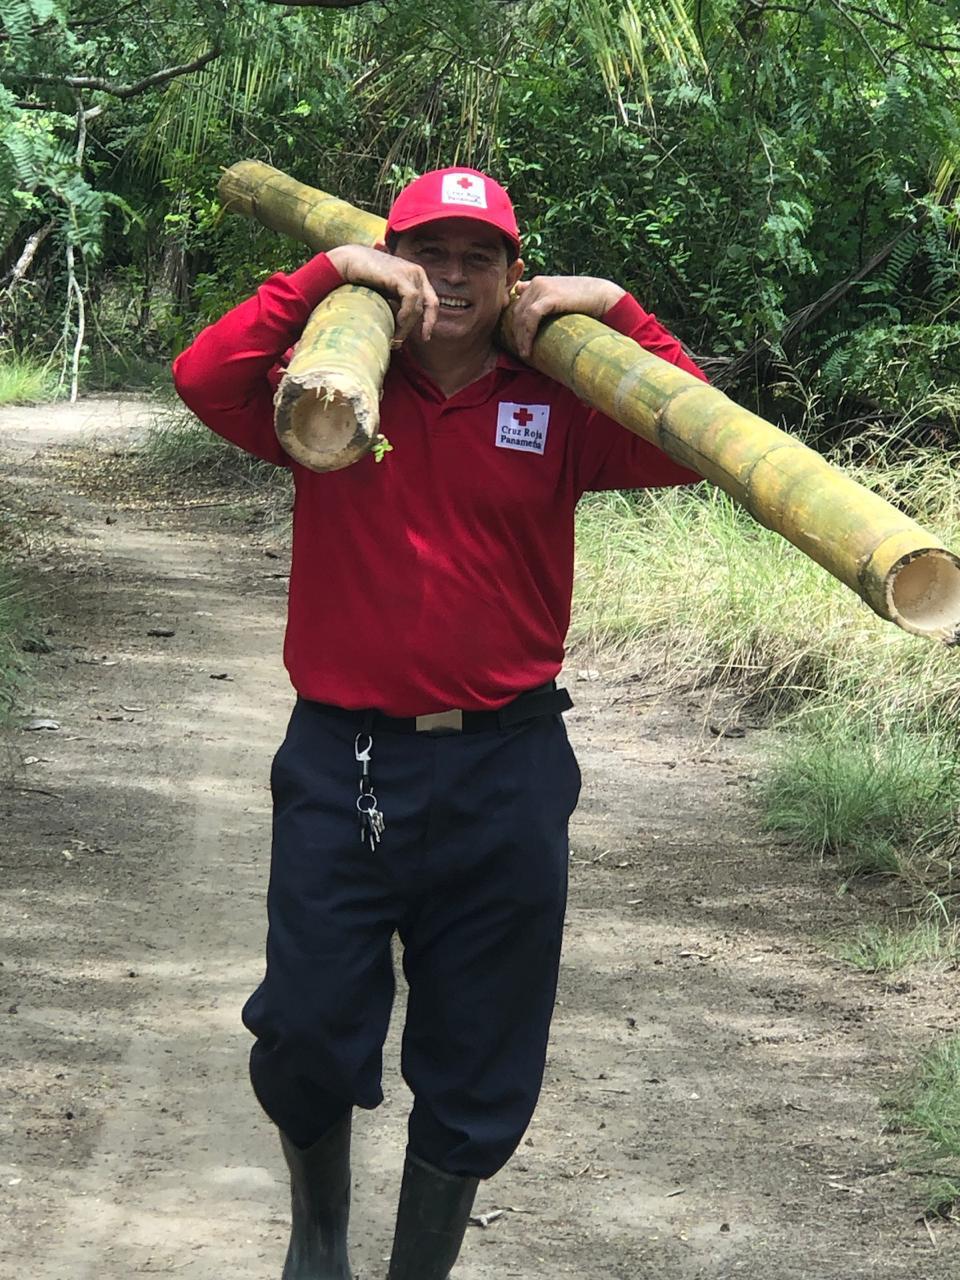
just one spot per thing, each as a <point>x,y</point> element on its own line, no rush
<point>426,782</point>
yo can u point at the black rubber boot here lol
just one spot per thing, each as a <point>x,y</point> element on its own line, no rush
<point>320,1206</point>
<point>431,1220</point>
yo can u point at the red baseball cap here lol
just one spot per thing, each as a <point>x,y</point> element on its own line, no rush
<point>454,193</point>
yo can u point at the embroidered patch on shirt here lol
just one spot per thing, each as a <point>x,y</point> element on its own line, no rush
<point>463,188</point>
<point>522,426</point>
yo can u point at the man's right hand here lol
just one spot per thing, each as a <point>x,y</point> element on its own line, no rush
<point>415,301</point>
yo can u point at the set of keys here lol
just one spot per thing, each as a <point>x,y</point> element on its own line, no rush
<point>371,819</point>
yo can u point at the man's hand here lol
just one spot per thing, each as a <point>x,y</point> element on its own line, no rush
<point>398,279</point>
<point>551,295</point>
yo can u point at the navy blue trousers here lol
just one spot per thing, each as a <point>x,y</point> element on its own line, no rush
<point>472,874</point>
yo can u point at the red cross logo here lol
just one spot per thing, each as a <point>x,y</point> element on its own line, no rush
<point>465,183</point>
<point>523,416</point>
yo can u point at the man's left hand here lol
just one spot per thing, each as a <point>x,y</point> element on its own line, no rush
<point>558,295</point>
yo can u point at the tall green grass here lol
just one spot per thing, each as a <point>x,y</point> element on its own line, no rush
<point>727,600</point>
<point>928,1105</point>
<point>880,798</point>
<point>869,768</point>
<point>892,948</point>
<point>179,448</point>
<point>24,380</point>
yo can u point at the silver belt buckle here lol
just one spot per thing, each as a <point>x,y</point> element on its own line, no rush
<point>452,720</point>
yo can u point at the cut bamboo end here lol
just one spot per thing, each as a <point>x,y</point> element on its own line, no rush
<point>923,594</point>
<point>327,408</point>
<point>327,426</point>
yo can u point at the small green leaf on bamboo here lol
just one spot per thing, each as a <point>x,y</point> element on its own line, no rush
<point>381,447</point>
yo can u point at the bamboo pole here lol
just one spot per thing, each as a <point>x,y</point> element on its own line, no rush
<point>307,214</point>
<point>327,407</point>
<point>902,572</point>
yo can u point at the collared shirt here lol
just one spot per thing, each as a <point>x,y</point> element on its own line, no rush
<point>440,577</point>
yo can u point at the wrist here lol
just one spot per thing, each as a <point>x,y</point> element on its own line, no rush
<point>316,279</point>
<point>611,295</point>
<point>340,258</point>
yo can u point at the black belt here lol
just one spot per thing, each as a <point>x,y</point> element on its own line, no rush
<point>546,700</point>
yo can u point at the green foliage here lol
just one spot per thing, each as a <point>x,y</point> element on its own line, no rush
<point>886,948</point>
<point>878,801</point>
<point>871,773</point>
<point>899,366</point>
<point>928,1105</point>
<point>63,71</point>
<point>728,165</point>
<point>381,447</point>
<point>21,19</point>
<point>38,166</point>
<point>25,381</point>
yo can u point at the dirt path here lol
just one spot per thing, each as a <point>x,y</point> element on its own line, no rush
<point>710,1108</point>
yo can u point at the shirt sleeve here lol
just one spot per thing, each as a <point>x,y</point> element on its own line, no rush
<point>610,456</point>
<point>229,373</point>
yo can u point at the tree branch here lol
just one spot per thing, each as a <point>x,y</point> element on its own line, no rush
<point>73,285</point>
<point>905,31</point>
<point>881,65</point>
<point>761,351</point>
<point>120,90</point>
<point>80,23</point>
<point>25,261</point>
<point>90,114</point>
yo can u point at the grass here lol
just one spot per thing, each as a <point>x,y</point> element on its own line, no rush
<point>730,601</point>
<point>881,799</point>
<point>892,948</point>
<point>868,769</point>
<point>24,380</point>
<point>928,1105</point>
<point>119,371</point>
<point>180,448</point>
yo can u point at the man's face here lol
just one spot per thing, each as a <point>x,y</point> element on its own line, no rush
<point>466,262</point>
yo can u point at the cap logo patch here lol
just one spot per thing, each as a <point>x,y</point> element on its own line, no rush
<point>522,426</point>
<point>463,188</point>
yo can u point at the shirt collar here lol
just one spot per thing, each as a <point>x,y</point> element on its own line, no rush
<point>476,392</point>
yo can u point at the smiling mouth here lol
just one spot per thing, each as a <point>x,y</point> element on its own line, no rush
<point>448,303</point>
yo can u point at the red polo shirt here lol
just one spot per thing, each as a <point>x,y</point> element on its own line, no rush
<point>440,577</point>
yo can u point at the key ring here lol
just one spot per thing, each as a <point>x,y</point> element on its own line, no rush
<point>366,808</point>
